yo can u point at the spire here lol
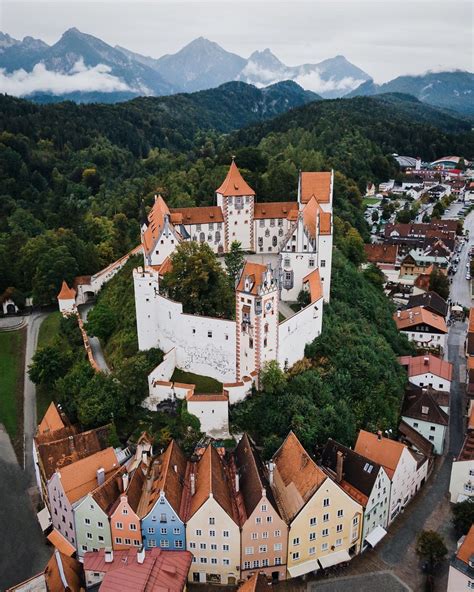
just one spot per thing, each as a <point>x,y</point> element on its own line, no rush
<point>234,184</point>
<point>66,292</point>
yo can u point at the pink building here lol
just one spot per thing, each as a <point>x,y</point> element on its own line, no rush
<point>124,521</point>
<point>264,533</point>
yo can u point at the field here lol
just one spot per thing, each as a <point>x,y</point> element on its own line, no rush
<point>370,201</point>
<point>12,359</point>
<point>48,331</point>
<point>204,384</point>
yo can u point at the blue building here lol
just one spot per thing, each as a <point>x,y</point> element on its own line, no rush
<point>161,524</point>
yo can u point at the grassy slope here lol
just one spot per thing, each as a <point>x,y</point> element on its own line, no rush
<point>48,332</point>
<point>12,346</point>
<point>204,384</point>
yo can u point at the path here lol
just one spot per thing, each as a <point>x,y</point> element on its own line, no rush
<point>94,341</point>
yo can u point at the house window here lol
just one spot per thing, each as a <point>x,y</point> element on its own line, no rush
<point>277,547</point>
<point>118,540</point>
<point>254,536</point>
<point>325,517</point>
<point>128,541</point>
<point>203,560</point>
<point>225,534</point>
<point>267,233</point>
<point>213,547</point>
<point>415,424</point>
<point>87,520</point>
<point>264,562</point>
<point>133,527</point>
<point>247,564</point>
<point>339,528</point>
<point>274,241</point>
<point>260,241</point>
<point>311,263</point>
<point>262,549</point>
<point>89,535</point>
<point>151,530</point>
<point>84,547</point>
<point>431,438</point>
<point>312,536</point>
<point>163,516</point>
<point>324,546</point>
<point>225,547</point>
<point>163,531</point>
<point>269,518</point>
<point>355,521</point>
<point>209,333</point>
<point>202,546</point>
<point>340,513</point>
<point>101,538</point>
<point>226,562</point>
<point>325,532</point>
<point>178,544</point>
<point>296,556</point>
<point>213,561</point>
<point>212,520</point>
<point>264,535</point>
<point>151,543</point>
<point>277,533</point>
<point>312,550</point>
<point>124,511</point>
<point>323,263</point>
<point>100,524</point>
<point>212,533</point>
<point>176,531</point>
<point>432,428</point>
<point>338,542</point>
<point>262,223</point>
<point>296,541</point>
<point>277,560</point>
<point>264,507</point>
<point>325,502</point>
<point>192,545</point>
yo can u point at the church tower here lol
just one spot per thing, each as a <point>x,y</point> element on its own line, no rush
<point>236,199</point>
<point>256,319</point>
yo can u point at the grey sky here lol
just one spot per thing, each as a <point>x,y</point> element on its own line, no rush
<point>385,38</point>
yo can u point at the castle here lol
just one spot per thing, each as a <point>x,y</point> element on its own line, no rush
<point>289,249</point>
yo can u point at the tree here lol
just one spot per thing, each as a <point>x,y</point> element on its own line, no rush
<point>463,516</point>
<point>234,261</point>
<point>198,281</point>
<point>375,216</point>
<point>272,377</point>
<point>430,546</point>
<point>374,275</point>
<point>101,321</point>
<point>303,298</point>
<point>53,267</point>
<point>100,401</point>
<point>439,283</point>
<point>49,363</point>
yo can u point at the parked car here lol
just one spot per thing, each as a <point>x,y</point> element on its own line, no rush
<point>468,276</point>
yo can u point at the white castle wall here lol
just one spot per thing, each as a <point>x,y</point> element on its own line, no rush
<point>213,415</point>
<point>325,263</point>
<point>295,332</point>
<point>269,230</point>
<point>164,371</point>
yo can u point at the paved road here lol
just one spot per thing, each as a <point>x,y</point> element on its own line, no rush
<point>29,403</point>
<point>460,288</point>
<point>94,341</point>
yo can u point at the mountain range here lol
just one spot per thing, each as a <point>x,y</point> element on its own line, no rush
<point>83,68</point>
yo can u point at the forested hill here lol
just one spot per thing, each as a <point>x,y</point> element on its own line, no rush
<point>73,177</point>
<point>146,122</point>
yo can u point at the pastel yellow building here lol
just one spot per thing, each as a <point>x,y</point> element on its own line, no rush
<point>324,522</point>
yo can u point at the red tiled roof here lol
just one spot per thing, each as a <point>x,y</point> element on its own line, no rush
<point>411,317</point>
<point>277,209</point>
<point>206,397</point>
<point>234,184</point>
<point>383,451</point>
<point>66,292</point>
<point>61,543</point>
<point>254,271</point>
<point>202,215</point>
<point>315,285</point>
<point>466,550</point>
<point>156,223</point>
<point>467,450</point>
<point>51,421</point>
<point>417,365</point>
<point>316,185</point>
<point>381,253</point>
<point>256,583</point>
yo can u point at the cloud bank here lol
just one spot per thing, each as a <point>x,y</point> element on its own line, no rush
<point>80,78</point>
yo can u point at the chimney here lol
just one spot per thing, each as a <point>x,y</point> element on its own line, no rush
<point>271,467</point>
<point>339,465</point>
<point>109,555</point>
<point>379,435</point>
<point>124,482</point>
<point>237,483</point>
<point>100,476</point>
<point>399,313</point>
<point>426,360</point>
<point>175,467</point>
<point>193,483</point>
<point>141,555</point>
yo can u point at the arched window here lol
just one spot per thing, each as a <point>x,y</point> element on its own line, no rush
<point>202,237</point>
<point>274,241</point>
<point>218,236</point>
<point>267,233</point>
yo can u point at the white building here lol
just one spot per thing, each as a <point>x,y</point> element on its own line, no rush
<point>423,327</point>
<point>424,415</point>
<point>407,471</point>
<point>428,371</point>
<point>461,570</point>
<point>461,485</point>
<point>67,300</point>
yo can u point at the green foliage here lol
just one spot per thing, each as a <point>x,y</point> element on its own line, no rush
<point>374,275</point>
<point>430,546</point>
<point>234,262</point>
<point>198,281</point>
<point>49,363</point>
<point>439,283</point>
<point>101,321</point>
<point>272,378</point>
<point>101,400</point>
<point>463,516</point>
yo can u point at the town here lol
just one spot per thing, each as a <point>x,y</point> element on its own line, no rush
<point>158,517</point>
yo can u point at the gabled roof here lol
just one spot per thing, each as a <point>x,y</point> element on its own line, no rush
<point>277,209</point>
<point>59,568</point>
<point>413,438</point>
<point>211,478</point>
<point>298,472</point>
<point>315,285</point>
<point>316,185</point>
<point>169,477</point>
<point>109,492</point>
<point>202,215</point>
<point>381,450</point>
<point>156,218</point>
<point>381,253</point>
<point>254,271</point>
<point>357,471</point>
<point>430,300</point>
<point>70,447</point>
<point>252,476</point>
<point>51,421</point>
<point>466,550</point>
<point>256,583</point>
<point>234,184</point>
<point>66,292</point>
<point>411,317</point>
<point>310,213</point>
<point>467,450</point>
<point>423,407</point>
<point>135,488</point>
<point>418,365</point>
<point>79,478</point>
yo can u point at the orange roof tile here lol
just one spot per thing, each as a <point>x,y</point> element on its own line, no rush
<point>383,451</point>
<point>355,493</point>
<point>79,478</point>
<point>61,567</point>
<point>381,253</point>
<point>206,397</point>
<point>297,471</point>
<point>405,319</point>
<point>61,543</point>
<point>315,285</point>
<point>256,583</point>
<point>156,223</point>
<point>51,421</point>
<point>471,320</point>
<point>466,550</point>
<point>316,185</point>
<point>109,492</point>
<point>417,365</point>
<point>211,477</point>
<point>310,212</point>
<point>202,215</point>
<point>275,209</point>
<point>255,272</point>
<point>234,184</point>
<point>166,266</point>
<point>324,222</point>
<point>66,292</point>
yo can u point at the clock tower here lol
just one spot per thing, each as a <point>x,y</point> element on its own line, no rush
<point>256,319</point>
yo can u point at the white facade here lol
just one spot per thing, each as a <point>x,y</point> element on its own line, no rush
<point>432,380</point>
<point>376,512</point>
<point>270,234</point>
<point>212,412</point>
<point>461,484</point>
<point>433,432</point>
<point>165,244</point>
<point>211,233</point>
<point>406,481</point>
<point>67,306</point>
<point>297,331</point>
<point>426,339</point>
<point>238,220</point>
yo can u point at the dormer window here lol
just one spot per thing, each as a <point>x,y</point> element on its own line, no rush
<point>425,410</point>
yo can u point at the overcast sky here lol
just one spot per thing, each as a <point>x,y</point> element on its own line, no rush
<point>385,38</point>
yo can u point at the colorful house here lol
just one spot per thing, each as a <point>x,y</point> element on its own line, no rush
<point>212,522</point>
<point>125,524</point>
<point>325,523</point>
<point>264,532</point>
<point>160,504</point>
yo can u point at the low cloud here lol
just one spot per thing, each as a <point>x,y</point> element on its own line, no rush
<point>80,78</point>
<point>313,81</point>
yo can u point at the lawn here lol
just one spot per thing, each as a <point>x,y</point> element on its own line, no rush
<point>12,360</point>
<point>370,201</point>
<point>204,384</point>
<point>48,331</point>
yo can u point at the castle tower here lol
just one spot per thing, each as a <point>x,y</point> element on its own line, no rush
<point>145,281</point>
<point>256,319</point>
<point>236,199</point>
